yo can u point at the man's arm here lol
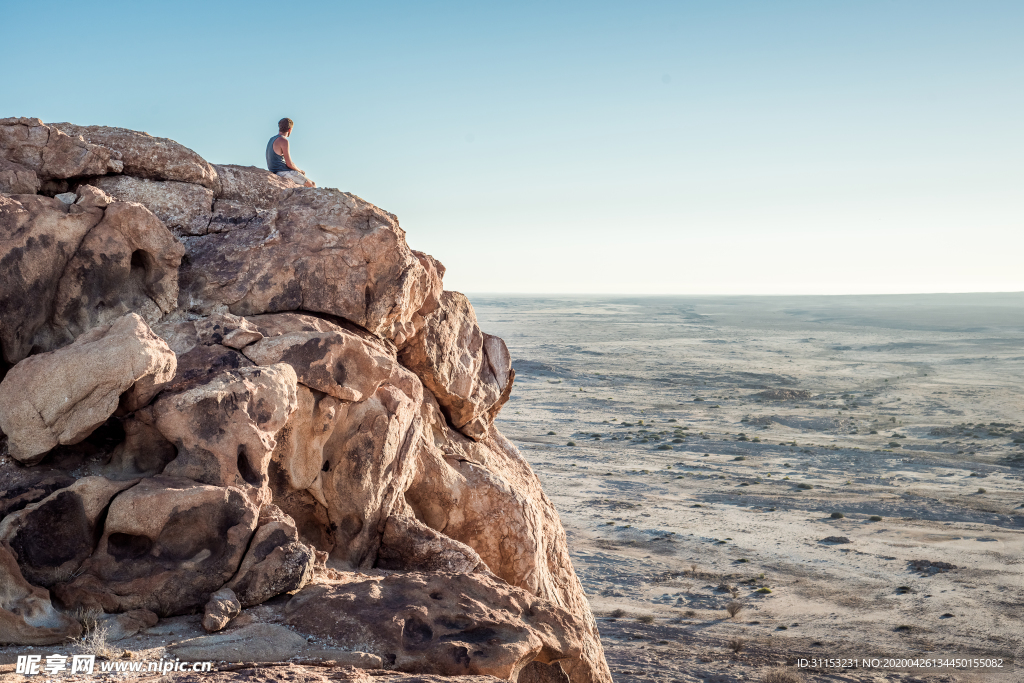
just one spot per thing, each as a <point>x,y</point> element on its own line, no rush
<point>286,152</point>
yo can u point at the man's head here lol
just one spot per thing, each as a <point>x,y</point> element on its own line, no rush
<point>285,125</point>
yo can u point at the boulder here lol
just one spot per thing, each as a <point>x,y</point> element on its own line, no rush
<point>469,373</point>
<point>369,462</point>
<point>254,643</point>
<point>325,251</point>
<point>17,179</point>
<point>38,237</point>
<point>185,208</point>
<point>52,153</point>
<point>410,545</point>
<point>250,186</point>
<point>167,545</point>
<point>228,330</point>
<point>325,357</point>
<point>222,607</point>
<point>224,429</point>
<point>127,263</point>
<point>277,561</point>
<point>144,451</point>
<point>21,486</point>
<point>145,156</point>
<point>27,616</point>
<point>439,623</point>
<point>62,396</point>
<point>68,521</point>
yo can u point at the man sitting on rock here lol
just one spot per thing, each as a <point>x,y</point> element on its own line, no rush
<point>279,160</point>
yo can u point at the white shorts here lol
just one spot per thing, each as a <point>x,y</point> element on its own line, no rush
<point>293,176</point>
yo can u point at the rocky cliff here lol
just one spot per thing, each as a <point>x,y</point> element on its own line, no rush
<point>219,388</point>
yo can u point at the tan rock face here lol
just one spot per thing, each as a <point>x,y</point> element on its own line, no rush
<point>70,268</point>
<point>17,179</point>
<point>250,186</point>
<point>27,616</point>
<point>38,237</point>
<point>224,429</point>
<point>62,396</point>
<point>277,561</point>
<point>145,156</point>
<point>167,545</point>
<point>439,623</point>
<point>220,610</point>
<point>67,520</point>
<point>469,372</point>
<point>410,545</point>
<point>325,251</point>
<point>53,153</point>
<point>185,208</point>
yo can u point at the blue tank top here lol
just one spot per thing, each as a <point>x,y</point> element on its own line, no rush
<point>275,161</point>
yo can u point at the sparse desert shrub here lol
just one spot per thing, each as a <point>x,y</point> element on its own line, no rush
<point>737,645</point>
<point>781,675</point>
<point>982,491</point>
<point>756,439</point>
<point>740,457</point>
<point>837,515</point>
<point>733,608</point>
<point>764,590</point>
<point>904,628</point>
<point>804,485</point>
<point>875,518</point>
<point>645,619</point>
<point>551,433</point>
<point>664,447</point>
<point>677,440</point>
<point>571,443</point>
<point>94,640</point>
<point>617,613</point>
<point>689,613</point>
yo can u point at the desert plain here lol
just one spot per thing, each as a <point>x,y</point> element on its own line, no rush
<point>849,471</point>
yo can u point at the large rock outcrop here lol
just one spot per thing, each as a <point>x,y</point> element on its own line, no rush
<point>63,396</point>
<point>217,388</point>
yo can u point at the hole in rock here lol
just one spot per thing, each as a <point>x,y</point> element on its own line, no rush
<point>326,467</point>
<point>251,476</point>
<point>128,546</point>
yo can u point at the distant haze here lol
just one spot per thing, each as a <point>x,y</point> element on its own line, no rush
<point>646,148</point>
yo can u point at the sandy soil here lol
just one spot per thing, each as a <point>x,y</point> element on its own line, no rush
<point>708,451</point>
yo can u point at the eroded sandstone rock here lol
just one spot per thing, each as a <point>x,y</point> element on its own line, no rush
<point>53,153</point>
<point>222,607</point>
<point>185,208</point>
<point>168,543</point>
<point>145,156</point>
<point>250,186</point>
<point>224,429</point>
<point>277,561</point>
<point>17,179</point>
<point>67,520</point>
<point>62,396</point>
<point>439,623</point>
<point>27,616</point>
<point>409,545</point>
<point>254,643</point>
<point>326,251</point>
<point>469,373</point>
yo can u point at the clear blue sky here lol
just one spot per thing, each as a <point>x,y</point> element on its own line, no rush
<point>642,147</point>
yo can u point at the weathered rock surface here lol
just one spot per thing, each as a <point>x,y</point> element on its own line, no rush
<point>224,430</point>
<point>70,268</point>
<point>222,607</point>
<point>439,623</point>
<point>255,643</point>
<point>409,545</point>
<point>53,153</point>
<point>62,396</point>
<point>185,208</point>
<point>145,156</point>
<point>127,624</point>
<point>27,616</point>
<point>17,179</point>
<point>167,545</point>
<point>326,251</point>
<point>67,519</point>
<point>277,561</point>
<point>308,401</point>
<point>469,373</point>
